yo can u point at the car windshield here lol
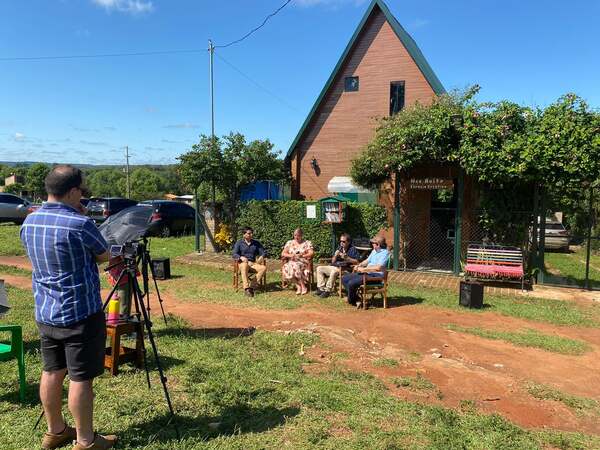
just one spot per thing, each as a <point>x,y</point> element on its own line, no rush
<point>96,204</point>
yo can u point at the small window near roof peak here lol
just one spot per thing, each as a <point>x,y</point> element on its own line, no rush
<point>351,84</point>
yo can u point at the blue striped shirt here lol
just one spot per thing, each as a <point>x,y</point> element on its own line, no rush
<point>62,246</point>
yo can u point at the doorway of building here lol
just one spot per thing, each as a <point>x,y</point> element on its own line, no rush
<point>431,229</point>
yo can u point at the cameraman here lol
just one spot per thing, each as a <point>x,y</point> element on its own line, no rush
<point>64,247</point>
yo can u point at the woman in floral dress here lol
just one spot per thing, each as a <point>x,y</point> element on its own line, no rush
<point>297,254</point>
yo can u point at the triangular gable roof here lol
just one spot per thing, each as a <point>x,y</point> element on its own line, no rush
<point>408,42</point>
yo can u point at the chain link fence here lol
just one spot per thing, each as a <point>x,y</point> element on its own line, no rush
<point>570,245</point>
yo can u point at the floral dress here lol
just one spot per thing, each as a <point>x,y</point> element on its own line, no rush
<point>296,269</point>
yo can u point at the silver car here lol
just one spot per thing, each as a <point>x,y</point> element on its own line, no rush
<point>556,236</point>
<point>13,208</point>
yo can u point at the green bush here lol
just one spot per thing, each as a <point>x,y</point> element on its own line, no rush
<point>274,223</point>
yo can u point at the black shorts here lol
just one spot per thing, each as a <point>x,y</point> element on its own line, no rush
<point>79,347</point>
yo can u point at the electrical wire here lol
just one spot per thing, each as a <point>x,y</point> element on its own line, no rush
<point>258,85</point>
<point>254,29</point>
<point>101,55</point>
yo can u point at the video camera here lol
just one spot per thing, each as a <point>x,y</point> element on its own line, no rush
<point>129,250</point>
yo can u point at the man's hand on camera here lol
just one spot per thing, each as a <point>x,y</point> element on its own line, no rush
<point>82,210</point>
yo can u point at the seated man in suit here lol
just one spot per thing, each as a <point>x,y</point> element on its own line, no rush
<point>345,257</point>
<point>374,266</point>
<point>250,253</point>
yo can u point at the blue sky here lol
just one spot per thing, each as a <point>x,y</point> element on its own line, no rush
<point>87,110</point>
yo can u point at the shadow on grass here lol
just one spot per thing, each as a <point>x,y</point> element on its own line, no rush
<point>235,420</point>
<point>206,333</point>
<point>32,397</point>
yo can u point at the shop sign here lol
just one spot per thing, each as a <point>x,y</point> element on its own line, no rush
<point>431,184</point>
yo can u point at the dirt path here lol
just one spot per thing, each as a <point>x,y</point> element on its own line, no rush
<point>490,373</point>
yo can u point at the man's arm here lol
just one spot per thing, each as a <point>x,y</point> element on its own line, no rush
<point>236,250</point>
<point>95,242</point>
<point>261,249</point>
<point>102,258</point>
<point>353,256</point>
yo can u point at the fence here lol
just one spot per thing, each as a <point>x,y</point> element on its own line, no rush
<point>569,246</point>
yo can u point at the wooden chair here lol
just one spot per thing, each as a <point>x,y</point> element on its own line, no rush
<point>236,276</point>
<point>374,286</point>
<point>311,274</point>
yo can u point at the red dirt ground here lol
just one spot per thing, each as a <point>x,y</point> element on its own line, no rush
<point>490,373</point>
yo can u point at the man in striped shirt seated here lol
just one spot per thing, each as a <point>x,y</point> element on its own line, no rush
<point>64,247</point>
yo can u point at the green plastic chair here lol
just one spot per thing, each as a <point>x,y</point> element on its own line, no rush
<point>14,350</point>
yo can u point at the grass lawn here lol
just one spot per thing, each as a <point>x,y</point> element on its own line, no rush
<point>10,244</point>
<point>529,338</point>
<point>569,268</point>
<point>255,391</point>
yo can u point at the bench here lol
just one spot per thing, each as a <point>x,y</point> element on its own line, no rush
<point>495,262</point>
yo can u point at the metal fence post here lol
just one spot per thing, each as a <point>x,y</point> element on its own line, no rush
<point>542,248</point>
<point>197,222</point>
<point>589,240</point>
<point>397,221</point>
<point>458,222</point>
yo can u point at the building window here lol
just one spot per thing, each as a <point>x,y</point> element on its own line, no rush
<point>396,97</point>
<point>351,84</point>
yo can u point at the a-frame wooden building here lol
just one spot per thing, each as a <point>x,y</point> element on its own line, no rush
<point>380,71</point>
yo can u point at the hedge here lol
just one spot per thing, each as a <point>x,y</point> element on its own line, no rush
<point>274,223</point>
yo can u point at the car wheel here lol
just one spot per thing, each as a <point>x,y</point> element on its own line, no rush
<point>164,231</point>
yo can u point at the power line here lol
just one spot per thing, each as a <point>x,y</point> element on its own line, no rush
<point>255,29</point>
<point>258,85</point>
<point>100,55</point>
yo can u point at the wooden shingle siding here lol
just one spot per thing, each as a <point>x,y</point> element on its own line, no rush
<point>345,121</point>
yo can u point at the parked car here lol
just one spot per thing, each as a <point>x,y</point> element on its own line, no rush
<point>100,208</point>
<point>169,218</point>
<point>556,236</point>
<point>13,208</point>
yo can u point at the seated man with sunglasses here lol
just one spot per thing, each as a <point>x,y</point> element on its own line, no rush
<point>374,266</point>
<point>344,257</point>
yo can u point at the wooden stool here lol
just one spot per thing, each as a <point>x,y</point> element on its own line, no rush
<point>116,354</point>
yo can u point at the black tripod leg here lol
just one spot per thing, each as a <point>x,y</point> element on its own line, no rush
<point>163,378</point>
<point>135,292</point>
<point>39,419</point>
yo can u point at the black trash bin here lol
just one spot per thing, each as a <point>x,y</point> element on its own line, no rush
<point>471,294</point>
<point>162,268</point>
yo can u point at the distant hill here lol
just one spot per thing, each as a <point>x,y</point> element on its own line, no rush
<point>84,166</point>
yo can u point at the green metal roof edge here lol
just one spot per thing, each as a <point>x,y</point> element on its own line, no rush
<point>408,42</point>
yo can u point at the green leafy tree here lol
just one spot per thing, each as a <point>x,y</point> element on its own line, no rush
<point>223,166</point>
<point>246,163</point>
<point>106,182</point>
<point>34,180</point>
<point>203,165</point>
<point>16,188</point>
<point>146,184</point>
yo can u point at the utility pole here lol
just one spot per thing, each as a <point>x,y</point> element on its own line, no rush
<point>211,49</point>
<point>127,171</point>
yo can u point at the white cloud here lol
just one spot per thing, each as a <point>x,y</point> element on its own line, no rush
<point>127,6</point>
<point>19,137</point>
<point>182,125</point>
<point>418,23</point>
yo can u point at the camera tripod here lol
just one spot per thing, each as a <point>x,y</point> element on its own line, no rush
<point>143,315</point>
<point>146,262</point>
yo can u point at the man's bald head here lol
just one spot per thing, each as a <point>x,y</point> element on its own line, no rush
<point>62,179</point>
